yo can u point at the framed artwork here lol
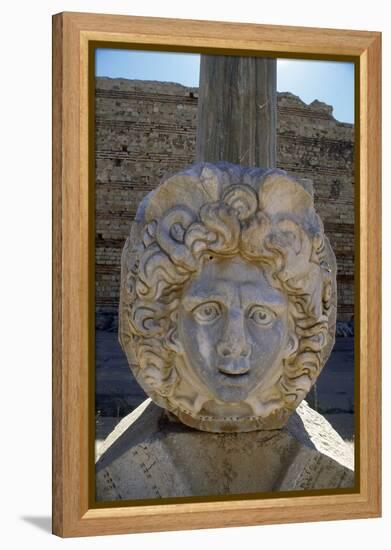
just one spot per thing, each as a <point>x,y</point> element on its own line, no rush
<point>216,274</point>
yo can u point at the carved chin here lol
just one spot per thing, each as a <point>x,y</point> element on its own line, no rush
<point>199,397</point>
<point>233,390</point>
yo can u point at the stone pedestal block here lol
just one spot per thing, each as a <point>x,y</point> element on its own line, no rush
<point>150,455</point>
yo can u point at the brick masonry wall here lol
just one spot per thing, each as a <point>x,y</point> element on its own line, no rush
<point>146,129</point>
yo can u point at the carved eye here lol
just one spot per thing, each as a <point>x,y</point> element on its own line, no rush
<point>207,313</point>
<point>261,315</point>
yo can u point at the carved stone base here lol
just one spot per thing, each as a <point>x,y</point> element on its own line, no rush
<point>149,455</point>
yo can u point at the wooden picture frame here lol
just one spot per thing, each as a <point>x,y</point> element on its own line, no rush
<point>73,34</point>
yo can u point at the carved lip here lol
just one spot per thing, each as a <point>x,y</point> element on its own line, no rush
<point>235,369</point>
<point>233,377</point>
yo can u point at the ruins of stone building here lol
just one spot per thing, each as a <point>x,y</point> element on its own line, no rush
<point>146,129</point>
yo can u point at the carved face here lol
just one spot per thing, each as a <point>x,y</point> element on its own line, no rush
<point>228,296</point>
<point>233,327</point>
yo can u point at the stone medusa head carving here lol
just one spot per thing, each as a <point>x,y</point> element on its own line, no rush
<point>228,296</point>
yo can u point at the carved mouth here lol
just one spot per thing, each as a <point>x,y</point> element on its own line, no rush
<point>233,373</point>
<point>233,376</point>
<point>235,369</point>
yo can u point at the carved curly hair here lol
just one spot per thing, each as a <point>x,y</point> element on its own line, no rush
<point>225,210</point>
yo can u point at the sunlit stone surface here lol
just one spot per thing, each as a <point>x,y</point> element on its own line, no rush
<point>227,316</point>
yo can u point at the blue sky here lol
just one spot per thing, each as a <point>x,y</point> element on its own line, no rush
<point>328,81</point>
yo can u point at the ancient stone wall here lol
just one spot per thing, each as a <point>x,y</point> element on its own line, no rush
<point>312,144</point>
<point>145,130</point>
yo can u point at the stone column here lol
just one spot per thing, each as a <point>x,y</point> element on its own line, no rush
<point>237,110</point>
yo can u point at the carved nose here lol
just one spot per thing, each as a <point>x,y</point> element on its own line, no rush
<point>233,350</point>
